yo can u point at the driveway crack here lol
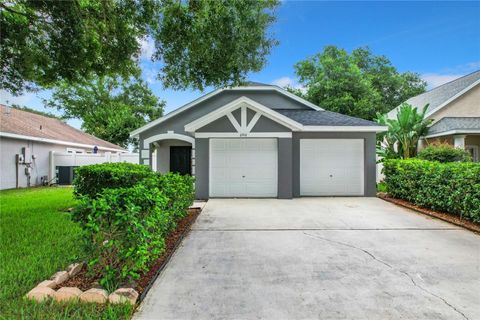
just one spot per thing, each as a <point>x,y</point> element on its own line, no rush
<point>391,267</point>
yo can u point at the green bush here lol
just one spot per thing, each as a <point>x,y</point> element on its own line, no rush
<point>443,152</point>
<point>126,226</point>
<point>449,187</point>
<point>91,180</point>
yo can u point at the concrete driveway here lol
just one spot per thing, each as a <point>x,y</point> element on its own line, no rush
<point>318,258</point>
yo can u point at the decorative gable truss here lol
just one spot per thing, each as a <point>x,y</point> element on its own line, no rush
<point>245,126</point>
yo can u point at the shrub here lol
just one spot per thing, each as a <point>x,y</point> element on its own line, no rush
<point>126,226</point>
<point>443,152</point>
<point>450,187</point>
<point>91,180</point>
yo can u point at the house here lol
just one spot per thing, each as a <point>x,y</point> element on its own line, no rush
<point>262,141</point>
<point>454,108</point>
<point>28,140</point>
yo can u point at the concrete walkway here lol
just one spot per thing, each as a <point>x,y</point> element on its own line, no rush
<point>318,258</point>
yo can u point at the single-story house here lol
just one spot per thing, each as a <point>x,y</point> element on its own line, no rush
<point>260,140</point>
<point>454,108</point>
<point>27,141</point>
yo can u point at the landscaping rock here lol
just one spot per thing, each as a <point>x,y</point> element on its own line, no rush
<point>74,269</point>
<point>41,293</point>
<point>67,294</point>
<point>94,295</point>
<point>60,277</point>
<point>124,295</point>
<point>47,283</point>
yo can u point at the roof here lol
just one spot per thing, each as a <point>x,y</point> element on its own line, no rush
<point>457,124</point>
<point>23,124</point>
<point>442,95</point>
<point>324,118</point>
<point>249,86</point>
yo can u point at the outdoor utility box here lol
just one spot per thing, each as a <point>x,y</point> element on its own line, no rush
<point>65,175</point>
<point>27,155</point>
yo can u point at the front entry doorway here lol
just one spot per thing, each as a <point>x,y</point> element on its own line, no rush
<point>181,159</point>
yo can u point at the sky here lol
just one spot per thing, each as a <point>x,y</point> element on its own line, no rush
<point>438,40</point>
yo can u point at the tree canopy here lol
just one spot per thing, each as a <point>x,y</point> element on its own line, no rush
<point>198,43</point>
<point>359,84</point>
<point>110,108</point>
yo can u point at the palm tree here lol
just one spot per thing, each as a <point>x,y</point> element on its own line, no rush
<point>403,133</point>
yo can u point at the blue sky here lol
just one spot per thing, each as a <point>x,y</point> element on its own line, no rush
<point>439,40</point>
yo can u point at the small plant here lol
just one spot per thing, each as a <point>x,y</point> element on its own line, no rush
<point>401,138</point>
<point>443,152</point>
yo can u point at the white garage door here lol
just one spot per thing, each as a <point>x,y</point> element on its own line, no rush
<point>331,167</point>
<point>243,167</point>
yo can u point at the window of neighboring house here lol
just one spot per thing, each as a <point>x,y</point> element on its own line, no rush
<point>473,150</point>
<point>75,150</point>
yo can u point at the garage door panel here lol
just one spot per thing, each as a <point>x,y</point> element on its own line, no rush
<point>243,168</point>
<point>331,167</point>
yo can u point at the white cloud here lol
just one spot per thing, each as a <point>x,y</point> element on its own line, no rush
<point>147,48</point>
<point>288,82</point>
<point>435,79</point>
<point>23,100</point>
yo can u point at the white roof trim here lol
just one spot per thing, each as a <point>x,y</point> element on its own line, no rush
<point>149,125</point>
<point>223,111</point>
<point>136,132</point>
<point>60,142</point>
<point>450,132</point>
<point>461,93</point>
<point>345,128</point>
<point>168,135</point>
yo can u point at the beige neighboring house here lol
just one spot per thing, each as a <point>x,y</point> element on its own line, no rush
<point>28,141</point>
<point>454,108</point>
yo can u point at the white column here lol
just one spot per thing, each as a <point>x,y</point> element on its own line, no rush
<point>422,143</point>
<point>459,141</point>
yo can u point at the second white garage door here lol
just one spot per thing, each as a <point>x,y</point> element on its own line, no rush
<point>331,167</point>
<point>243,167</point>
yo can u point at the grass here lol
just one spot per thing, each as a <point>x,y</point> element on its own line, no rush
<point>37,239</point>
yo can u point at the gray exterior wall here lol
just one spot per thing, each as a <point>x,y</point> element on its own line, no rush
<point>369,138</point>
<point>9,147</point>
<point>202,147</point>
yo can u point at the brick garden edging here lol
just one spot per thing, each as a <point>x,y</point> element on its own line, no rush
<point>46,290</point>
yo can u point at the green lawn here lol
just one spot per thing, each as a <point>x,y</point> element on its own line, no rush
<point>37,239</point>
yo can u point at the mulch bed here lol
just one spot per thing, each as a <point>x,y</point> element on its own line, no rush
<point>84,281</point>
<point>448,217</point>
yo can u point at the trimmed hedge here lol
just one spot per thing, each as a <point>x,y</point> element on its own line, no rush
<point>91,180</point>
<point>443,152</point>
<point>449,187</point>
<point>126,226</point>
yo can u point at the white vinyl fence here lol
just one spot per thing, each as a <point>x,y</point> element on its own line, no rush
<point>58,159</point>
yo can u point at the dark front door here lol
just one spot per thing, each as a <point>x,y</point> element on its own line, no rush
<point>181,160</point>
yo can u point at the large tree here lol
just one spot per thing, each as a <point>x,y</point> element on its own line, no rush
<point>110,108</point>
<point>358,84</point>
<point>198,42</point>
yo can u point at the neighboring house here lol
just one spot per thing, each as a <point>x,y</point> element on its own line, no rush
<point>28,140</point>
<point>262,141</point>
<point>454,108</point>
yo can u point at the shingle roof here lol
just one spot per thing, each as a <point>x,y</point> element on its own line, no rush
<point>455,123</point>
<point>34,125</point>
<point>439,95</point>
<point>324,118</point>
